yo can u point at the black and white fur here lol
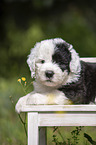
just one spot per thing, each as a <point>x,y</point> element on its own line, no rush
<point>61,78</point>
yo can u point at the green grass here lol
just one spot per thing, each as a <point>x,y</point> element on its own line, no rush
<point>11,128</point>
<point>66,132</point>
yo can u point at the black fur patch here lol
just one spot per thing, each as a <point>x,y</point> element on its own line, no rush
<point>62,56</point>
<point>84,90</point>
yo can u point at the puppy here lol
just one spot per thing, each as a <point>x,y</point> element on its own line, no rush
<point>61,78</point>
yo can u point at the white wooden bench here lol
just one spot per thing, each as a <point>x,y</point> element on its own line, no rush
<point>57,115</point>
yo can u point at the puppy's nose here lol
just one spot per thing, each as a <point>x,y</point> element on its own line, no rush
<point>49,74</point>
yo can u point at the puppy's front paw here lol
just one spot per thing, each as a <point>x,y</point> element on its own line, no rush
<point>36,99</point>
<point>19,105</point>
<point>22,102</point>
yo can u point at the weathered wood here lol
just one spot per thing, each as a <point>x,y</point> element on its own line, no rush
<point>33,128</point>
<point>58,108</point>
<point>89,59</point>
<point>56,115</point>
<point>67,119</point>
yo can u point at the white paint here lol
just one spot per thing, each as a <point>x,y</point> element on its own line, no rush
<point>33,129</point>
<point>59,108</point>
<point>67,119</point>
<point>58,115</point>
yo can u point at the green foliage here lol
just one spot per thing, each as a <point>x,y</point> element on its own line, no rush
<point>22,31</point>
<point>73,140</point>
<point>22,40</point>
<point>89,138</point>
<point>70,135</point>
<point>11,128</point>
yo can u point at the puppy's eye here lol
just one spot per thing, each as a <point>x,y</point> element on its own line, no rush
<point>42,61</point>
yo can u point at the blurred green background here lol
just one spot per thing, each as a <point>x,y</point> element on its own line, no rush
<point>22,24</point>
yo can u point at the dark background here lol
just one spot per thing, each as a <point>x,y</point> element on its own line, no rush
<point>22,24</point>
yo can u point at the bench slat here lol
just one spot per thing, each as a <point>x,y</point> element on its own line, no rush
<point>67,119</point>
<point>88,59</point>
<point>56,108</point>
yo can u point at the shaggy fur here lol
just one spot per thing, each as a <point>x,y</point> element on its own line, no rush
<point>61,78</point>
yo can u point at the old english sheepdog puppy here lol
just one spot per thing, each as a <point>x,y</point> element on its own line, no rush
<point>61,78</point>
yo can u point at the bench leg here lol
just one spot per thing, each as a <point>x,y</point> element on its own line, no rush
<point>43,136</point>
<point>32,128</point>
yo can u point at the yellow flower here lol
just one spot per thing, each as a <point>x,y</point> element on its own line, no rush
<point>23,79</point>
<point>19,80</point>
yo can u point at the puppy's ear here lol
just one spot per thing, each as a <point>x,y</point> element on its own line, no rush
<point>75,65</point>
<point>31,59</point>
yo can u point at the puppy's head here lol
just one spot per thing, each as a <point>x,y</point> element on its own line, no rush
<point>54,62</point>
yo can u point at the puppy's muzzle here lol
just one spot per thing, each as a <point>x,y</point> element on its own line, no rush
<point>49,74</point>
